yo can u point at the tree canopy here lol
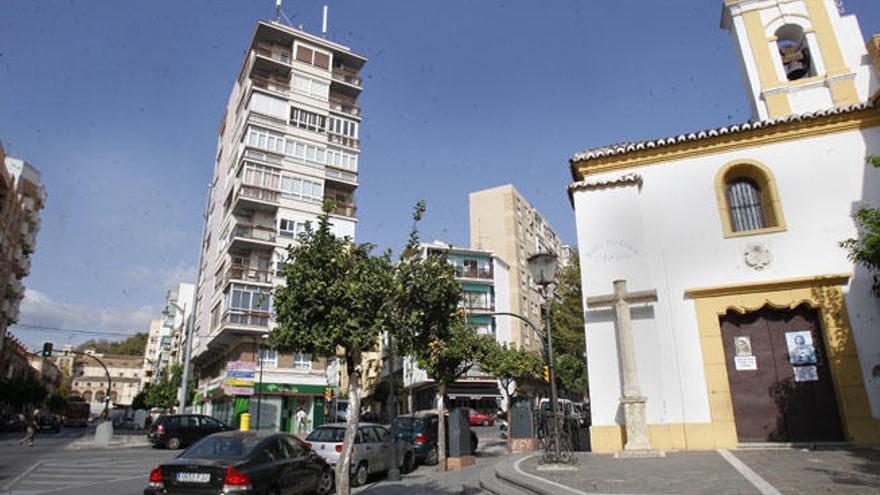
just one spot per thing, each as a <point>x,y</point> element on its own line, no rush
<point>567,319</point>
<point>163,393</point>
<point>131,346</point>
<point>865,249</point>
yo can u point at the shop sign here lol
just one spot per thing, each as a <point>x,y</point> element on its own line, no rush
<point>290,389</point>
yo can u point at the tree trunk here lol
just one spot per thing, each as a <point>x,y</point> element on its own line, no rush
<point>441,427</point>
<point>343,467</point>
<point>509,443</point>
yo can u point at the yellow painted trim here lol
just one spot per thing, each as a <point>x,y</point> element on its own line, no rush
<point>777,104</point>
<point>770,201</point>
<point>827,39</point>
<point>789,131</point>
<point>607,438</point>
<point>665,437</point>
<point>823,293</point>
<point>768,286</point>
<point>843,92</point>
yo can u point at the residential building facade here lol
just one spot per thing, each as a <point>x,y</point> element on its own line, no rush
<point>288,142</point>
<point>484,278</point>
<point>503,222</point>
<point>761,328</point>
<point>22,196</point>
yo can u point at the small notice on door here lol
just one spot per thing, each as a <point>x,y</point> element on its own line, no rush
<point>745,363</point>
<point>805,374</point>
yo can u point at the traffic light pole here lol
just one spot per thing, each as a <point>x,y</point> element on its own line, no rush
<point>106,398</point>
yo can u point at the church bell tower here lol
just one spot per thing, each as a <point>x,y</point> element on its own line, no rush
<point>799,56</point>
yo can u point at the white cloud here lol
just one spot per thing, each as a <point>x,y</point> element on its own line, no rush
<point>165,278</point>
<point>39,309</point>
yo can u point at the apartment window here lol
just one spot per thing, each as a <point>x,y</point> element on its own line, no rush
<point>344,127</point>
<point>260,176</point>
<point>342,159</point>
<point>308,153</point>
<point>265,139</point>
<point>311,56</point>
<point>250,298</point>
<point>476,300</point>
<point>268,358</point>
<point>290,228</point>
<point>307,120</point>
<point>311,87</point>
<point>300,188</point>
<point>302,361</point>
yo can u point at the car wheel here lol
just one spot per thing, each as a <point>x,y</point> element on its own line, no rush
<point>485,423</point>
<point>409,464</point>
<point>360,475</point>
<point>173,443</point>
<point>433,457</point>
<point>325,486</point>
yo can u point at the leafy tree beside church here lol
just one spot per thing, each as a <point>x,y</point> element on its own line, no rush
<point>865,249</point>
<point>567,320</point>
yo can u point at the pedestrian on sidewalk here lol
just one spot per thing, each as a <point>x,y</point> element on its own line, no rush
<point>31,430</point>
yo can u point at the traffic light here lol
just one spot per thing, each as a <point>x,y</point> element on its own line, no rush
<point>546,373</point>
<point>47,349</point>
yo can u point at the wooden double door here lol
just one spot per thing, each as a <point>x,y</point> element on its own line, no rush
<point>779,378</point>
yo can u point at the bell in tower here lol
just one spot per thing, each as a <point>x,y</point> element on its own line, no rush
<point>795,59</point>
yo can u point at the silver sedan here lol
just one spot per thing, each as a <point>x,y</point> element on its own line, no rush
<point>372,449</point>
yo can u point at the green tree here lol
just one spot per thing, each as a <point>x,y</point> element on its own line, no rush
<point>512,367</point>
<point>163,393</point>
<point>425,320</point>
<point>140,400</point>
<point>334,303</point>
<point>131,346</point>
<point>865,249</point>
<point>567,320</point>
<point>56,402</point>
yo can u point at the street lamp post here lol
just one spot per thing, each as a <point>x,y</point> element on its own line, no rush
<point>543,270</point>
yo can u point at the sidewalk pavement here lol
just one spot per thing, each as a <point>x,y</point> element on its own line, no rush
<point>760,471</point>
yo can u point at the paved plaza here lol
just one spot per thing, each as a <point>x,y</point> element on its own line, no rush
<point>760,471</point>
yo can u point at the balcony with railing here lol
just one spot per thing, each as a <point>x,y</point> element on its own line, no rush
<point>247,274</point>
<point>273,51</point>
<point>347,75</point>
<point>245,318</point>
<point>346,107</point>
<point>250,236</point>
<point>273,84</point>
<point>343,140</point>
<point>257,197</point>
<point>485,273</point>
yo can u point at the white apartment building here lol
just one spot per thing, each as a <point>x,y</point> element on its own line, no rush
<point>484,279</point>
<point>288,141</point>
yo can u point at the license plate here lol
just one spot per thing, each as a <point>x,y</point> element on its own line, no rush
<point>194,477</point>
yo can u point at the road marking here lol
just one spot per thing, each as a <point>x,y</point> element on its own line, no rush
<point>754,478</point>
<point>143,476</point>
<point>8,486</point>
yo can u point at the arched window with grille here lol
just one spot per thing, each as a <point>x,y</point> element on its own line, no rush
<point>748,200</point>
<point>744,202</point>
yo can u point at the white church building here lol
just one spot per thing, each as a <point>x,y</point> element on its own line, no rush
<point>758,329</point>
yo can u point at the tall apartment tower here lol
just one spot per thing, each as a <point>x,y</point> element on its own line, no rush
<point>287,142</point>
<point>503,222</point>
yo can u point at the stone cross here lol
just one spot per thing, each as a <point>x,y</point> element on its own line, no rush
<point>633,401</point>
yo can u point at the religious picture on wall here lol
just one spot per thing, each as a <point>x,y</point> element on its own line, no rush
<point>743,345</point>
<point>805,374</point>
<point>800,347</point>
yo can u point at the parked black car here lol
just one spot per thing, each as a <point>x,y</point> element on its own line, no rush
<point>174,431</point>
<point>14,422</point>
<point>49,421</point>
<point>420,429</point>
<point>244,462</point>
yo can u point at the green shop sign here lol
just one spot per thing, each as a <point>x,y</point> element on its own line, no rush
<point>289,389</point>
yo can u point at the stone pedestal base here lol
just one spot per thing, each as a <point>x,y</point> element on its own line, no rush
<point>104,433</point>
<point>558,468</point>
<point>636,424</point>
<point>639,454</point>
<point>518,445</point>
<point>453,463</point>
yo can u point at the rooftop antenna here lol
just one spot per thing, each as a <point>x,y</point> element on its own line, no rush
<point>278,10</point>
<point>324,22</point>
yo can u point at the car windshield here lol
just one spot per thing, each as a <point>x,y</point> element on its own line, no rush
<point>327,435</point>
<point>409,424</point>
<point>221,447</point>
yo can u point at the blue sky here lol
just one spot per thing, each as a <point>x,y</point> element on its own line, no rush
<point>117,103</point>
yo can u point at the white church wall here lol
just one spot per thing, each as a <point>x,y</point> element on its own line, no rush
<point>668,236</point>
